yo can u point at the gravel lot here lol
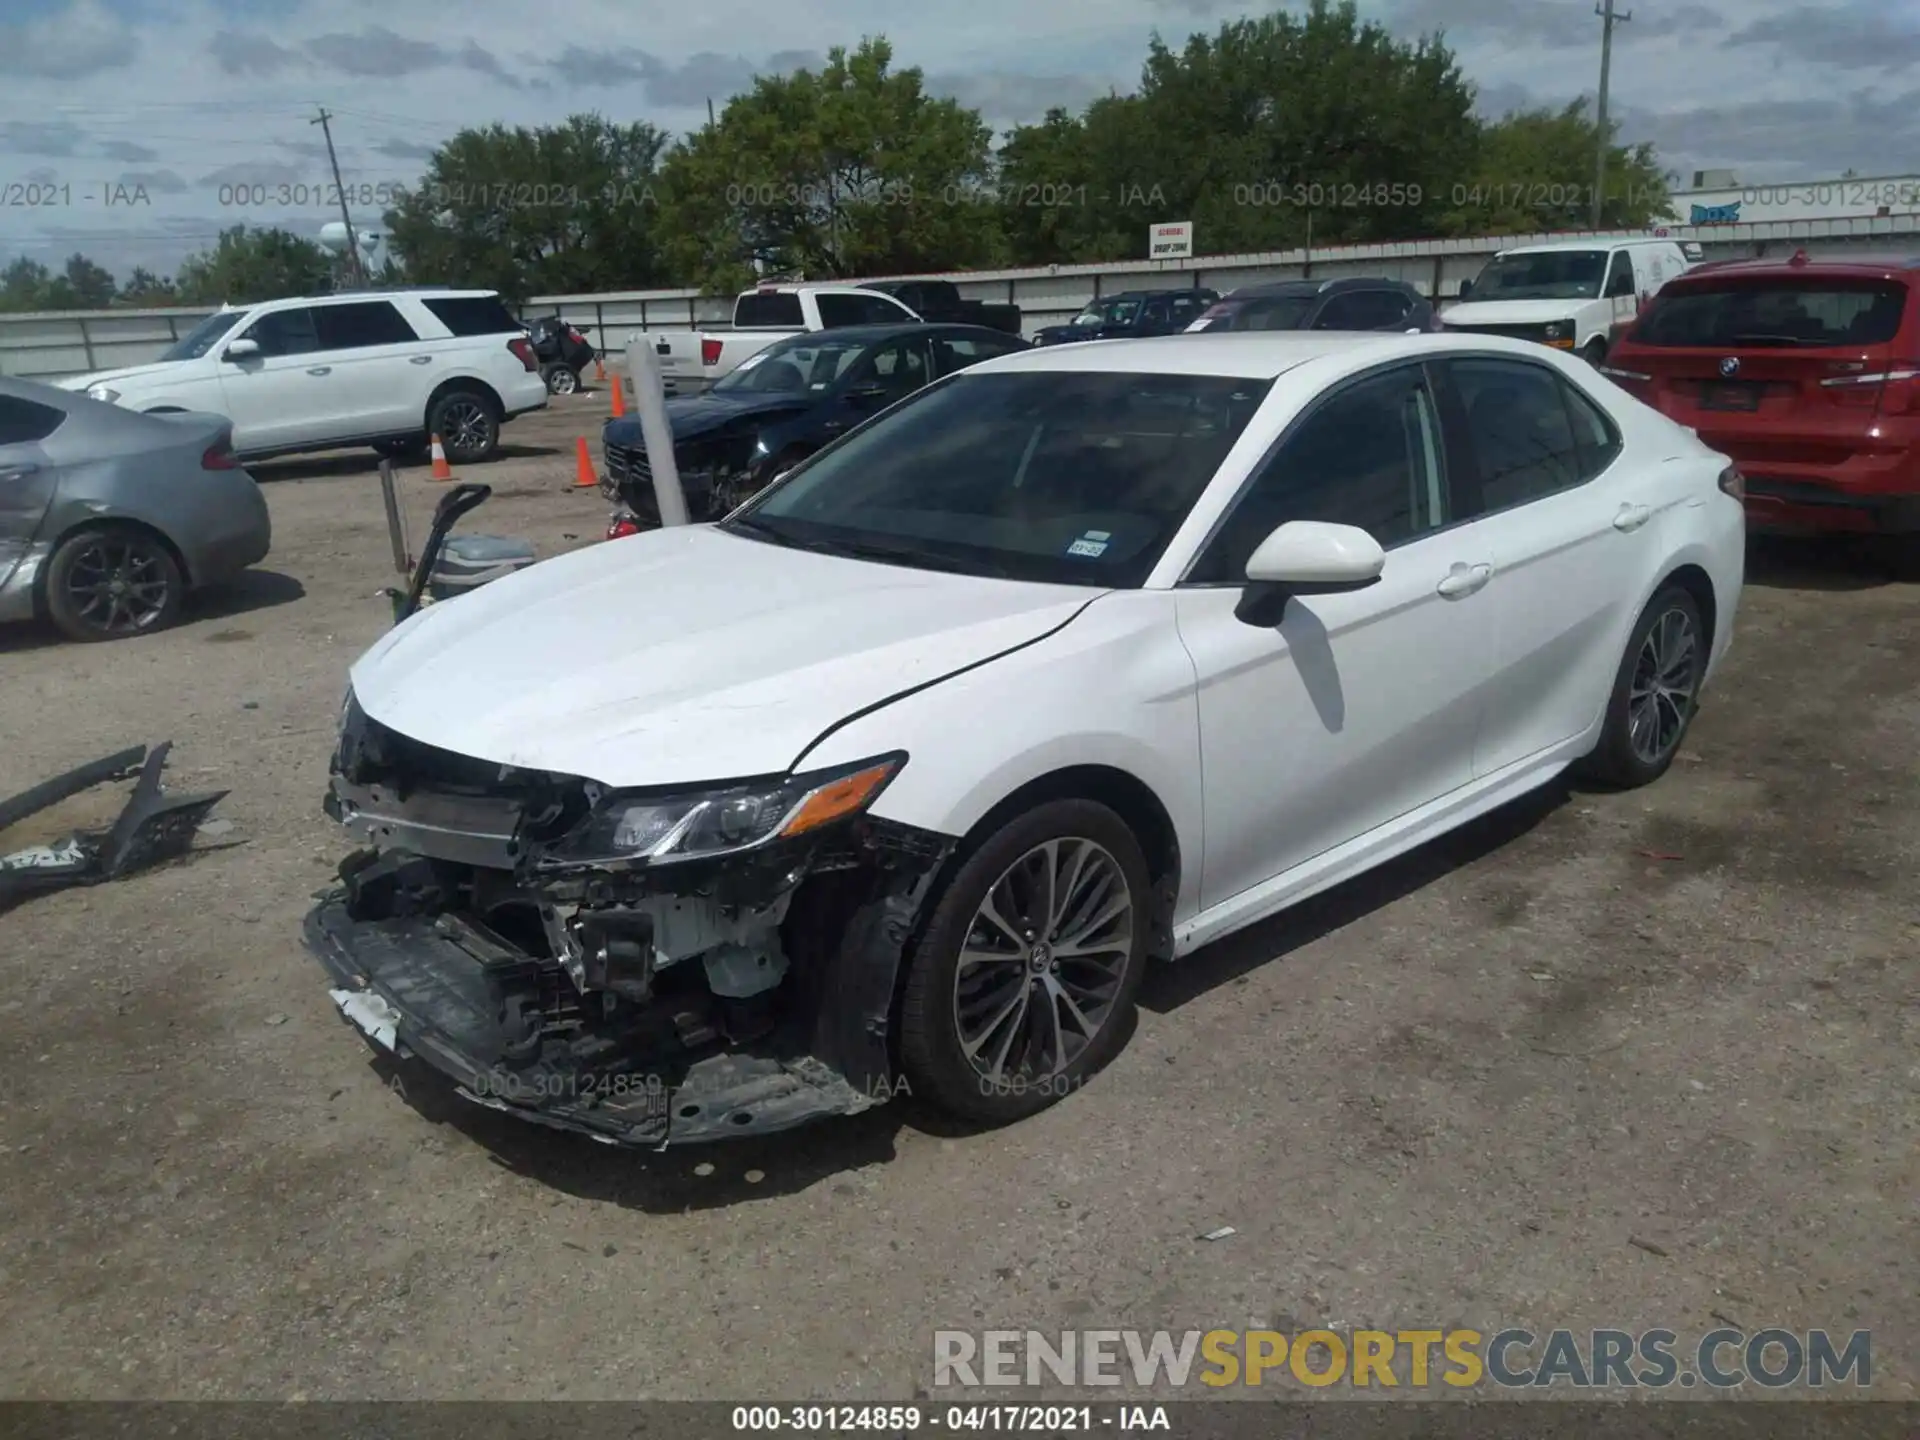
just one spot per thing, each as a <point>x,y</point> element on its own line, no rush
<point>1603,1060</point>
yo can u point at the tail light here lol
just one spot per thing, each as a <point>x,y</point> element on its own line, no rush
<point>1892,390</point>
<point>1733,483</point>
<point>220,455</point>
<point>710,350</point>
<point>522,349</point>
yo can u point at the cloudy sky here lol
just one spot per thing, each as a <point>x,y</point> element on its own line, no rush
<point>183,97</point>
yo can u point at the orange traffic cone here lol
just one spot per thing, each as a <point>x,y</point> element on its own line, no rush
<point>441,470</point>
<point>599,371</point>
<point>619,399</point>
<point>583,476</point>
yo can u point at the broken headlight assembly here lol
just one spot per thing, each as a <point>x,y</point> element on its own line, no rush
<point>659,828</point>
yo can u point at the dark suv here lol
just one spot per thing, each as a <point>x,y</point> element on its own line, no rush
<point>1806,373</point>
<point>1131,314</point>
<point>1347,304</point>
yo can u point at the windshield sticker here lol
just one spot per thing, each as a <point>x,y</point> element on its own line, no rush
<point>1092,544</point>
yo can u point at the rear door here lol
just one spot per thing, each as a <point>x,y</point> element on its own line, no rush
<point>1779,372</point>
<point>1570,534</point>
<point>374,361</point>
<point>1622,290</point>
<point>27,476</point>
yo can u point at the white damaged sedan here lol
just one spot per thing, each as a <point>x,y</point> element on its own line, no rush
<point>898,777</point>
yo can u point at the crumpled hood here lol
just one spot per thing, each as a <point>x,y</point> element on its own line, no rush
<point>693,415</point>
<point>685,655</point>
<point>1510,312</point>
<point>109,377</point>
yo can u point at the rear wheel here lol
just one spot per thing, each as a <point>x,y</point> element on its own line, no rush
<point>468,426</point>
<point>1655,693</point>
<point>113,582</point>
<point>1023,983</point>
<point>562,380</point>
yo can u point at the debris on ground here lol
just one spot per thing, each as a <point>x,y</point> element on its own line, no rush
<point>1220,1234</point>
<point>153,828</point>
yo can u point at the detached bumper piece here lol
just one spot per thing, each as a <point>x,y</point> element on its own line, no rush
<point>153,828</point>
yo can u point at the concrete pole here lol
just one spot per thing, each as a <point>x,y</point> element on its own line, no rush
<point>650,406</point>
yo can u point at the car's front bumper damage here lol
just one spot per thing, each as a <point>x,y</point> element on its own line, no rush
<point>729,997</point>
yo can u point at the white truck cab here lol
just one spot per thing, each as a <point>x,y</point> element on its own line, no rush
<point>692,360</point>
<point>1570,293</point>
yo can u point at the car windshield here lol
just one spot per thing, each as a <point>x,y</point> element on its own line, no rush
<point>1542,275</point>
<point>1108,312</point>
<point>1270,312</point>
<point>804,363</point>
<point>1794,313</point>
<point>203,337</point>
<point>1062,477</point>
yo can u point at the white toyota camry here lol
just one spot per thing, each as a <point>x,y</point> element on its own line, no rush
<point>897,778</point>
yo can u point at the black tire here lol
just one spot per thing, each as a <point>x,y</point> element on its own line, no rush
<point>932,1053</point>
<point>405,451</point>
<point>561,379</point>
<point>82,597</point>
<point>1594,352</point>
<point>468,424</point>
<point>1620,760</point>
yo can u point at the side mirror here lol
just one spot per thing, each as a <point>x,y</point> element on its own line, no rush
<point>1466,289</point>
<point>241,350</point>
<point>1307,557</point>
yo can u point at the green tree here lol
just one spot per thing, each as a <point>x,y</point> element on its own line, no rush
<point>1533,171</point>
<point>249,265</point>
<point>555,210</point>
<point>24,285</point>
<point>1261,134</point>
<point>143,287</point>
<point>1072,189</point>
<point>851,170</point>
<point>84,285</point>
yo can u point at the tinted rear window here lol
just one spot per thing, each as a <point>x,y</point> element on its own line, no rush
<point>473,315</point>
<point>1783,313</point>
<point>769,308</point>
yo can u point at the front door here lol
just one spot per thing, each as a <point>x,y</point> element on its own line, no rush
<point>278,397</point>
<point>1359,707</point>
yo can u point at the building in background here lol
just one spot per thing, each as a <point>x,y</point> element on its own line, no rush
<point>1717,197</point>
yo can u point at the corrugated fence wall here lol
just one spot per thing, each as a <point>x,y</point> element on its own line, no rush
<point>47,346</point>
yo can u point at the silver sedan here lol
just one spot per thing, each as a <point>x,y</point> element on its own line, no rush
<point>108,516</point>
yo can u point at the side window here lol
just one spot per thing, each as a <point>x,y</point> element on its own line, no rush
<point>1520,430</point>
<point>1620,278</point>
<point>1382,309</point>
<point>901,368</point>
<point>879,310</point>
<point>284,332</point>
<point>1595,440</point>
<point>1342,312</point>
<point>23,421</point>
<point>957,352</point>
<point>839,311</point>
<point>1186,310</point>
<point>1368,455</point>
<point>1156,316</point>
<point>362,323</point>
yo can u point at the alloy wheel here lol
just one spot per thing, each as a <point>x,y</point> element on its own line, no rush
<point>464,425</point>
<point>1043,961</point>
<point>119,584</point>
<point>563,382</point>
<point>1660,697</point>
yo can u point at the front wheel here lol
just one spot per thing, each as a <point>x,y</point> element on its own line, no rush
<point>468,426</point>
<point>562,380</point>
<point>1023,983</point>
<point>1594,352</point>
<point>1655,693</point>
<point>113,582</point>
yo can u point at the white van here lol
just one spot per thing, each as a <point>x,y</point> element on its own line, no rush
<point>1568,294</point>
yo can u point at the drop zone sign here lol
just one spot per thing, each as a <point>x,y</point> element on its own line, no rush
<point>1172,240</point>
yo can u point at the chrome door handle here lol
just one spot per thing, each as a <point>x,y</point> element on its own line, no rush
<point>1464,580</point>
<point>421,360</point>
<point>321,370</point>
<point>19,472</point>
<point>1632,517</point>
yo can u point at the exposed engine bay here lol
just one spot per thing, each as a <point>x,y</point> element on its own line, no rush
<point>642,969</point>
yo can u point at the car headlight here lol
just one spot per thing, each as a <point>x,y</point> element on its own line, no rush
<point>103,392</point>
<point>723,820</point>
<point>1556,331</point>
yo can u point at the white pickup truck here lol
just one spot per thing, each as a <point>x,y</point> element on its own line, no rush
<point>692,360</point>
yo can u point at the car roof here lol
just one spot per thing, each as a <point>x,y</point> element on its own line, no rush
<point>1336,286</point>
<point>1598,242</point>
<point>1151,294</point>
<point>1770,265</point>
<point>1252,355</point>
<point>871,333</point>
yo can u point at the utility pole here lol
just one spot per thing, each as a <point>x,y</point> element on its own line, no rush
<point>353,241</point>
<point>1607,21</point>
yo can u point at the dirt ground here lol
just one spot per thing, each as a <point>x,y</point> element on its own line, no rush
<point>1633,1061</point>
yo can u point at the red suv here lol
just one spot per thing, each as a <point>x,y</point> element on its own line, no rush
<point>1805,372</point>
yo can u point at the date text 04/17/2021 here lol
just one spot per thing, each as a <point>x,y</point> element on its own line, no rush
<point>963,1419</point>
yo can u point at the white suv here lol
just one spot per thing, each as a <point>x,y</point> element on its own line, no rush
<point>386,369</point>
